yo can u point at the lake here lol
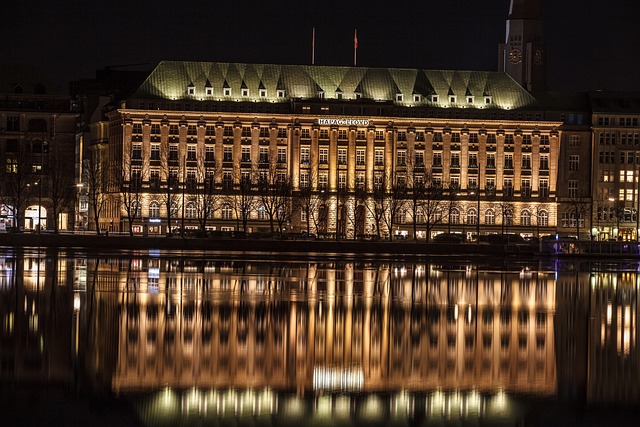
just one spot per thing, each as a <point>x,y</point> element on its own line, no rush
<point>161,338</point>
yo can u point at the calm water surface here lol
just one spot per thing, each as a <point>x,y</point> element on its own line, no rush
<point>159,339</point>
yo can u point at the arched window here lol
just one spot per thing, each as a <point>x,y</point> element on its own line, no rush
<point>454,217</point>
<point>227,212</point>
<point>489,217</point>
<point>154,209</point>
<point>190,210</point>
<point>525,217</point>
<point>472,216</point>
<point>543,218</point>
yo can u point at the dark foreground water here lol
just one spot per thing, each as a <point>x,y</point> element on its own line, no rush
<point>163,339</point>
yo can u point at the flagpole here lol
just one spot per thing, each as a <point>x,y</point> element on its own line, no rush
<point>313,46</point>
<point>355,47</point>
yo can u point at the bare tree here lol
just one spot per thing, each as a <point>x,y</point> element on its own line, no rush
<point>506,214</point>
<point>433,204</point>
<point>451,203</point>
<point>355,210</point>
<point>415,192</point>
<point>131,190</point>
<point>61,189</point>
<point>17,184</point>
<point>207,193</point>
<point>274,190</point>
<point>376,206</point>
<point>96,180</point>
<point>579,207</point>
<point>242,198</point>
<point>394,203</point>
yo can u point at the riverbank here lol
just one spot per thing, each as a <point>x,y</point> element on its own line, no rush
<point>120,242</point>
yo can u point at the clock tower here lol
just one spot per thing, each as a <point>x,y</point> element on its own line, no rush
<point>523,55</point>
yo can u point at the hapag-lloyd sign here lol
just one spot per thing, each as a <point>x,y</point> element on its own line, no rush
<point>344,122</point>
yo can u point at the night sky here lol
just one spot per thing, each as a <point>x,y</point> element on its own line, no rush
<point>595,45</point>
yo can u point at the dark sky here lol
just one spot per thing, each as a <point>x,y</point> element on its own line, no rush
<point>592,44</point>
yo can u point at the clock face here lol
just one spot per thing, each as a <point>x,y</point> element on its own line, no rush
<point>537,57</point>
<point>515,56</point>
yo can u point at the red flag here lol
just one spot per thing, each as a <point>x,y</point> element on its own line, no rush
<point>355,39</point>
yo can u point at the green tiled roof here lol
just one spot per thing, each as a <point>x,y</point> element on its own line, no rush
<point>170,79</point>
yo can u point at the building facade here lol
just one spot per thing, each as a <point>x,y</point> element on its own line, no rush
<point>37,131</point>
<point>361,151</point>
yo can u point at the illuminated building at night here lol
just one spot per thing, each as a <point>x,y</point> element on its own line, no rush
<point>360,151</point>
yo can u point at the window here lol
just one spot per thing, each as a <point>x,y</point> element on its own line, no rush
<point>508,161</point>
<point>227,179</point>
<point>379,135</point>
<point>435,98</point>
<point>452,99</point>
<point>173,129</point>
<point>473,160</point>
<point>417,97</point>
<point>227,212</point>
<point>399,97</point>
<point>490,217</point>
<point>305,133</point>
<point>264,155</point>
<point>226,91</point>
<point>360,180</point>
<point>323,180</point>
<point>304,155</point>
<point>246,131</point>
<point>304,180</point>
<point>192,130</point>
<point>209,153</point>
<point>508,187</point>
<point>544,188</point>
<point>573,188</point>
<point>543,218</point>
<point>437,137</point>
<point>437,160</point>
<point>191,152</point>
<point>280,93</point>
<point>379,157</point>
<point>173,152</point>
<point>342,156</point>
<point>155,151</point>
<point>246,154</point>
<point>491,160</point>
<point>401,158</point>
<point>574,162</point>
<point>208,91</point>
<point>455,160</point>
<point>154,178</point>
<point>544,140</point>
<point>360,153</point>
<point>282,155</point>
<point>342,134</point>
<point>525,187</point>
<point>324,133</point>
<point>324,156</point>
<point>526,161</point>
<point>454,217</point>
<point>245,92</point>
<point>491,138</point>
<point>155,129</point>
<point>137,128</point>
<point>419,155</point>
<point>282,132</point>
<point>574,140</point>
<point>472,216</point>
<point>487,100</point>
<point>154,209</point>
<point>227,154</point>
<point>544,162</point>
<point>210,131</point>
<point>469,99</point>
<point>342,180</point>
<point>473,138</point>
<point>190,211</point>
<point>525,218</point>
<point>455,137</point>
<point>136,152</point>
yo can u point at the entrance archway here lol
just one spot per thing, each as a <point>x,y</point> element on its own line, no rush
<point>35,217</point>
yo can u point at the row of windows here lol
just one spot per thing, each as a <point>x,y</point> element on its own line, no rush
<point>610,138</point>
<point>622,121</point>
<point>226,91</point>
<point>342,134</point>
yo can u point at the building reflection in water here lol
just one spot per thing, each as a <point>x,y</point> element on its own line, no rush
<point>321,338</point>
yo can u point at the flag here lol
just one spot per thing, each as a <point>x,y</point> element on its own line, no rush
<point>355,39</point>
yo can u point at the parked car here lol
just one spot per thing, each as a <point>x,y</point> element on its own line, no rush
<point>449,238</point>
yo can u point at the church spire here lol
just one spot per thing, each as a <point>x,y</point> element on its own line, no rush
<point>522,55</point>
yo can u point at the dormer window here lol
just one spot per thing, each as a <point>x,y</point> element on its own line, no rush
<point>452,99</point>
<point>263,93</point>
<point>435,98</point>
<point>399,97</point>
<point>487,100</point>
<point>191,89</point>
<point>209,91</point>
<point>469,99</point>
<point>280,93</point>
<point>245,92</point>
<point>358,95</point>
<point>417,97</point>
<point>226,91</point>
<point>338,95</point>
<point>321,94</point>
